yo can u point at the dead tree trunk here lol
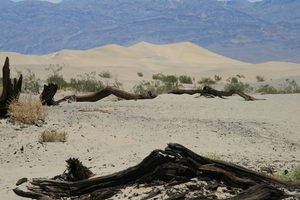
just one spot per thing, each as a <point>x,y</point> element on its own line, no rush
<point>182,91</point>
<point>50,90</point>
<point>10,90</point>
<point>210,92</point>
<point>174,165</point>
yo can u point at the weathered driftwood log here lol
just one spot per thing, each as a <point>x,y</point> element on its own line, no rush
<point>50,90</point>
<point>183,91</point>
<point>10,90</point>
<point>174,165</point>
<point>208,91</point>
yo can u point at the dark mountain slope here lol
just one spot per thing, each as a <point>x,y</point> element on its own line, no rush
<point>251,32</point>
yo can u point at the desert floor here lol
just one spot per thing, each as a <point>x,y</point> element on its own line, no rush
<point>110,136</point>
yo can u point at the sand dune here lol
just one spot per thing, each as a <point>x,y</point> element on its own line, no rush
<point>181,58</point>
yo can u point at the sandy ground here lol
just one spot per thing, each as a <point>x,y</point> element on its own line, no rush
<point>252,134</point>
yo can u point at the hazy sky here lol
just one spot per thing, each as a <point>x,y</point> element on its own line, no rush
<point>57,1</point>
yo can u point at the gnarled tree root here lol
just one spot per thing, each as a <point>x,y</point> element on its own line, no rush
<point>170,166</point>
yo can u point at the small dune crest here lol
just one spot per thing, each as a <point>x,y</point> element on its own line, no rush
<point>185,51</point>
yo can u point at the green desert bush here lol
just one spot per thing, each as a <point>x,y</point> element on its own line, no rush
<point>234,83</point>
<point>206,81</point>
<point>140,74</point>
<point>56,77</point>
<point>86,83</point>
<point>53,136</point>
<point>260,78</point>
<point>218,78</point>
<point>185,79</point>
<point>160,84</point>
<point>289,87</point>
<point>266,89</point>
<point>27,110</point>
<point>156,87</point>
<point>209,81</point>
<point>292,176</point>
<point>164,83</point>
<point>30,84</point>
<point>105,74</point>
<point>168,80</point>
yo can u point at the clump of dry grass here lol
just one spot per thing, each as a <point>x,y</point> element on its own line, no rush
<point>213,156</point>
<point>53,136</point>
<point>27,110</point>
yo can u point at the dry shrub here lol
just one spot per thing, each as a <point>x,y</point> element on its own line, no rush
<point>53,136</point>
<point>27,110</point>
<point>213,156</point>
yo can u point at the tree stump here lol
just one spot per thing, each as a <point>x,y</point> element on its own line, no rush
<point>11,89</point>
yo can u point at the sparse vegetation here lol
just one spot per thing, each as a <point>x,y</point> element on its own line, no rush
<point>266,89</point>
<point>31,84</point>
<point>53,136</point>
<point>206,81</point>
<point>234,83</point>
<point>240,76</point>
<point>55,77</point>
<point>209,81</point>
<point>161,84</point>
<point>168,81</point>
<point>154,86</point>
<point>292,176</point>
<point>287,87</point>
<point>218,78</point>
<point>105,74</point>
<point>86,83</point>
<point>260,79</point>
<point>185,79</point>
<point>140,74</point>
<point>27,110</point>
<point>117,84</point>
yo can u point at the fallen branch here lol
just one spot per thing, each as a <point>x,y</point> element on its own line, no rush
<point>51,89</point>
<point>174,165</point>
<point>208,91</point>
<point>183,91</point>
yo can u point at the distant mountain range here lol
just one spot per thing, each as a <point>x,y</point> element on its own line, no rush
<point>250,32</point>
